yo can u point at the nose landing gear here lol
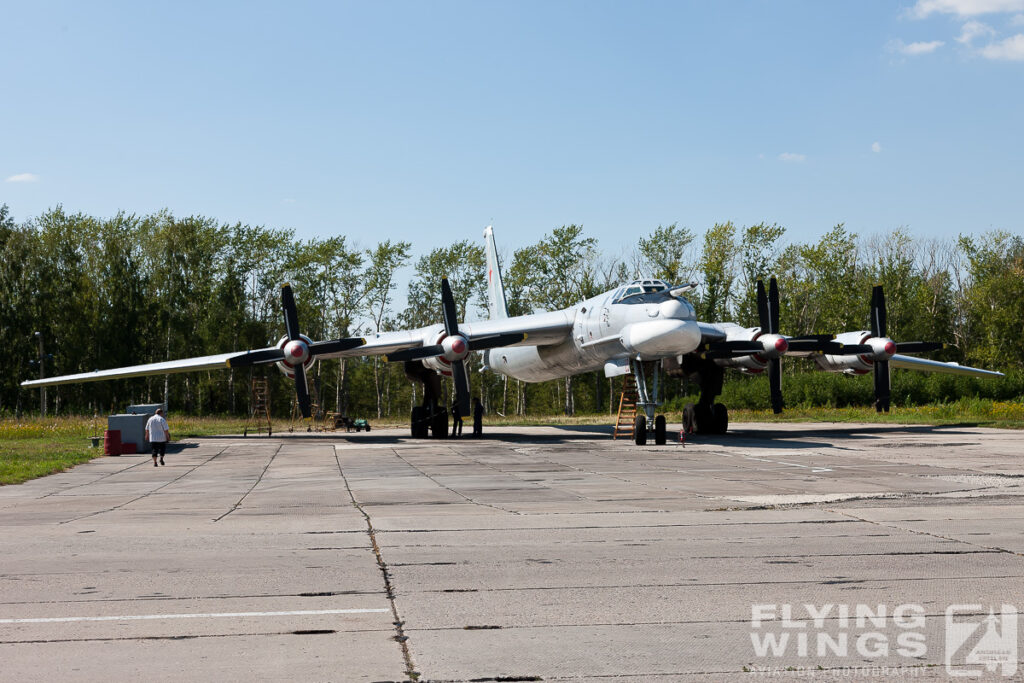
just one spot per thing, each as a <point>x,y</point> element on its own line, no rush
<point>647,424</point>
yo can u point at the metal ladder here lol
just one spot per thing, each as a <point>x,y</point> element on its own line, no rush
<point>260,406</point>
<point>624,423</point>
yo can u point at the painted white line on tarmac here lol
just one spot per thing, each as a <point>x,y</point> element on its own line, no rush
<point>212,615</point>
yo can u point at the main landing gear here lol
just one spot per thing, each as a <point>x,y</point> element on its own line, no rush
<point>430,418</point>
<point>647,424</point>
<point>705,416</point>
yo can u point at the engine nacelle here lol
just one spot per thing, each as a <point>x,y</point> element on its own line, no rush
<point>456,347</point>
<point>296,352</point>
<point>774,345</point>
<point>882,348</point>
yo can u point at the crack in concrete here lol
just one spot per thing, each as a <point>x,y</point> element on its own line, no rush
<point>148,493</point>
<point>389,589</point>
<point>926,533</point>
<point>254,485</point>
<point>451,490</point>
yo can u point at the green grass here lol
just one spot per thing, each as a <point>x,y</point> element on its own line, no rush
<point>31,447</point>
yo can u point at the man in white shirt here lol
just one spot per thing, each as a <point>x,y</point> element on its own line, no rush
<point>158,435</point>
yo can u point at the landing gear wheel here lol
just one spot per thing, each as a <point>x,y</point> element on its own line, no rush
<point>419,422</point>
<point>640,430</point>
<point>439,424</point>
<point>367,427</point>
<point>659,430</point>
<point>719,419</point>
<point>689,419</point>
<point>702,419</point>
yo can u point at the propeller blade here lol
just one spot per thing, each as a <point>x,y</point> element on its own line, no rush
<point>775,383</point>
<point>878,314</point>
<point>415,353</point>
<point>451,322</point>
<point>335,345</point>
<point>820,343</point>
<point>729,354</point>
<point>495,340</point>
<point>773,306</point>
<point>255,358</point>
<point>762,306</point>
<point>882,385</point>
<point>831,347</point>
<point>291,317</point>
<point>301,390</point>
<point>745,347</point>
<point>461,380</point>
<point>919,346</point>
<point>812,337</point>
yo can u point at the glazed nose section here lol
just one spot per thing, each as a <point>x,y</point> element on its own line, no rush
<point>661,337</point>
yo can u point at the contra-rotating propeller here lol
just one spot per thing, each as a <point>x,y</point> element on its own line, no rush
<point>883,348</point>
<point>295,351</point>
<point>454,347</point>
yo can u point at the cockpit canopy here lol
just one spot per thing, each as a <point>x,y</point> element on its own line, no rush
<point>639,287</point>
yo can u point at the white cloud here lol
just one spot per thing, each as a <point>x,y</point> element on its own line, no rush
<point>288,200</point>
<point>915,49</point>
<point>972,30</point>
<point>965,8</point>
<point>876,147</point>
<point>1017,20</point>
<point>1010,49</point>
<point>792,157</point>
<point>22,178</point>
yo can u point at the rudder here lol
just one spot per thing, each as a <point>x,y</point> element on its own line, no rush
<point>495,289</point>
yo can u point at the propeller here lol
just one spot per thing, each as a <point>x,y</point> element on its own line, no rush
<point>296,351</point>
<point>455,347</point>
<point>878,331</point>
<point>879,348</point>
<point>768,319</point>
<point>459,346</point>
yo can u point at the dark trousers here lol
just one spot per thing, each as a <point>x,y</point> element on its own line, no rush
<point>457,425</point>
<point>159,448</point>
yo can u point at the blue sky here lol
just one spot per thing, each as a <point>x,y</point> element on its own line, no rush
<point>427,121</point>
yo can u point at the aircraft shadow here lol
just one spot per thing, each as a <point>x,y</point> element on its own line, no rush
<point>825,436</point>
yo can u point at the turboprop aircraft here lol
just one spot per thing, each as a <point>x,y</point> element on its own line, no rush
<point>628,330</point>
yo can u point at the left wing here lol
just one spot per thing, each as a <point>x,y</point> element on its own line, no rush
<point>912,363</point>
<point>216,362</point>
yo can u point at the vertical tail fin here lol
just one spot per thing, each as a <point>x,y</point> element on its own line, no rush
<point>495,290</point>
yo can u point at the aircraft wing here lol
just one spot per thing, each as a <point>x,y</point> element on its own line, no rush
<point>710,332</point>
<point>216,362</point>
<point>912,363</point>
<point>540,329</point>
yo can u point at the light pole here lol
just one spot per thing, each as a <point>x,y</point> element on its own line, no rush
<point>42,374</point>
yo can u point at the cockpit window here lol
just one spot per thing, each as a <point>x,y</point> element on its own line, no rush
<point>640,287</point>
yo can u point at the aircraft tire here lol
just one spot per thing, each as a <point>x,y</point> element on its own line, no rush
<point>720,418</point>
<point>419,422</point>
<point>703,419</point>
<point>689,419</point>
<point>659,430</point>
<point>640,430</point>
<point>439,425</point>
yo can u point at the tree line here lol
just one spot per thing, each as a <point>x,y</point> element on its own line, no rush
<point>130,289</point>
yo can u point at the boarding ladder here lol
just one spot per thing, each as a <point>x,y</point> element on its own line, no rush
<point>259,406</point>
<point>626,419</point>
